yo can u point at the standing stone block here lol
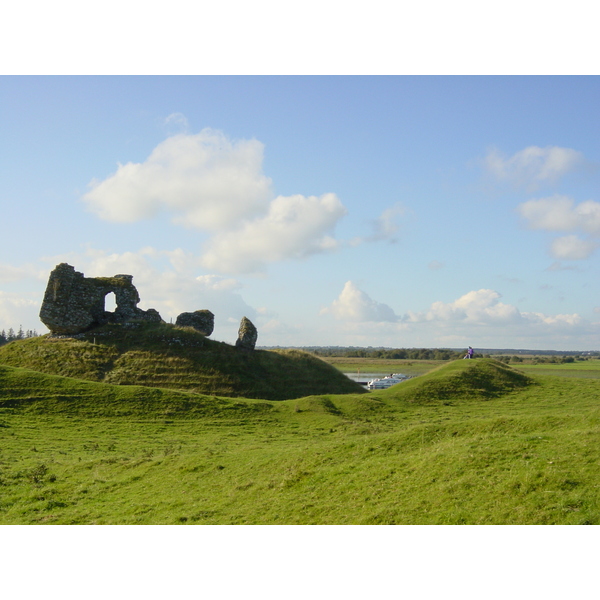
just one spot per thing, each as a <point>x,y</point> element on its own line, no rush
<point>247,335</point>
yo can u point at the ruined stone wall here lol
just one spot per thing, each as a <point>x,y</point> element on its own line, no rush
<point>74,303</point>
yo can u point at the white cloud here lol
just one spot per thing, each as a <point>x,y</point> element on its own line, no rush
<point>176,123</point>
<point>570,247</point>
<point>384,227</point>
<point>478,307</point>
<point>553,320</point>
<point>533,166</point>
<point>210,183</point>
<point>294,227</point>
<point>205,181</point>
<point>355,305</point>
<point>483,308</point>
<point>559,213</point>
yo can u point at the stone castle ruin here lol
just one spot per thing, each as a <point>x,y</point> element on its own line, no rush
<point>75,304</point>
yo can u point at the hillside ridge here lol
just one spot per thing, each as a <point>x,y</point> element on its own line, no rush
<point>181,358</point>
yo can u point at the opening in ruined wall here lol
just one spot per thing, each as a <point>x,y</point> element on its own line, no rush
<point>110,302</point>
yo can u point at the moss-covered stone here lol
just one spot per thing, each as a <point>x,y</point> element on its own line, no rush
<point>201,320</point>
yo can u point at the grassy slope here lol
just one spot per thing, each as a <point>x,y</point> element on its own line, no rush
<point>482,445</point>
<point>162,355</point>
<point>459,380</point>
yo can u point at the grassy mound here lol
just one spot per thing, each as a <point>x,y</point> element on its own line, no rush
<point>166,356</point>
<point>460,380</point>
<point>81,452</point>
<point>32,393</point>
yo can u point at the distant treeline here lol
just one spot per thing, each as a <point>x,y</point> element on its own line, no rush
<point>552,360</point>
<point>10,335</point>
<point>510,356</point>
<point>394,353</point>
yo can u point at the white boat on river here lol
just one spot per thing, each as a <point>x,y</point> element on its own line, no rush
<point>386,382</point>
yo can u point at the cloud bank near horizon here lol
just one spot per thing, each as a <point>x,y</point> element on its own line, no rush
<point>475,315</point>
<point>166,281</point>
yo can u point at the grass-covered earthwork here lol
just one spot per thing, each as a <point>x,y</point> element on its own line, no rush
<point>471,442</point>
<point>180,358</point>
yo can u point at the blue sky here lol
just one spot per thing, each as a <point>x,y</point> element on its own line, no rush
<point>401,211</point>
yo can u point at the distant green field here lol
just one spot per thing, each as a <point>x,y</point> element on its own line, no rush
<point>588,368</point>
<point>472,442</point>
<point>382,365</point>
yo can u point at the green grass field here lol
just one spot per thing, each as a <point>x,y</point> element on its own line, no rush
<point>587,369</point>
<point>470,442</point>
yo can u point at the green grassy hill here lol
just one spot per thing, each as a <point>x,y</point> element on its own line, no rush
<point>472,442</point>
<point>461,380</point>
<point>166,356</point>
